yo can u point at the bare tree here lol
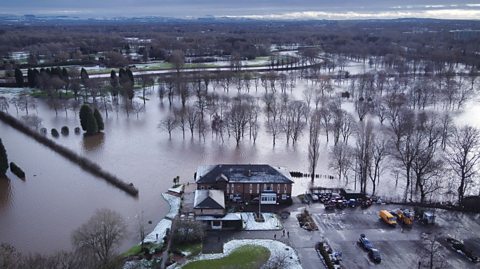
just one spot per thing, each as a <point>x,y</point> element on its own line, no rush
<point>463,156</point>
<point>341,160</point>
<point>431,256</point>
<point>4,104</point>
<point>273,124</point>
<point>101,235</point>
<point>169,124</point>
<point>363,152</point>
<point>237,119</point>
<point>314,144</point>
<point>379,153</point>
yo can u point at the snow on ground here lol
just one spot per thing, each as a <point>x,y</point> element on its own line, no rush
<point>278,251</point>
<point>271,222</point>
<point>174,203</point>
<point>161,230</point>
<point>165,223</point>
<point>178,189</point>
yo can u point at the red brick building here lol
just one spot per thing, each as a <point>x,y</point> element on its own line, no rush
<point>247,182</point>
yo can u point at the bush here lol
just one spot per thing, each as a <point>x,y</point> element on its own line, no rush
<point>87,120</point>
<point>17,170</point>
<point>77,130</point>
<point>43,131</point>
<point>64,130</point>
<point>54,132</point>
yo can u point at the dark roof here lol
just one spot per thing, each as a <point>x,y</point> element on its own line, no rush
<point>242,173</point>
<point>209,199</point>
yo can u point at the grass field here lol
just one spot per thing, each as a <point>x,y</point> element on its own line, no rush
<point>245,257</point>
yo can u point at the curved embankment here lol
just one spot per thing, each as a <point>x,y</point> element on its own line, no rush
<point>83,162</point>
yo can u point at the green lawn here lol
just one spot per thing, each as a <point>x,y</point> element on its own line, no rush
<point>245,257</point>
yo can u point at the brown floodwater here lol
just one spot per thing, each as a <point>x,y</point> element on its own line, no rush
<point>40,213</point>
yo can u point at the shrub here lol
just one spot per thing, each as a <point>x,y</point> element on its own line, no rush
<point>87,120</point>
<point>64,130</point>
<point>43,131</point>
<point>54,132</point>
<point>77,130</point>
<point>98,119</point>
<point>17,170</point>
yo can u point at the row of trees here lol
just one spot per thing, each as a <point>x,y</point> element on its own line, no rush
<point>429,152</point>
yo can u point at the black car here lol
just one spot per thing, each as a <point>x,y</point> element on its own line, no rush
<point>374,255</point>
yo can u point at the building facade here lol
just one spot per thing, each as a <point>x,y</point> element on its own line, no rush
<point>250,183</point>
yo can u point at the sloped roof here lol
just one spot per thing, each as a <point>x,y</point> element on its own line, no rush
<point>242,173</point>
<point>209,199</point>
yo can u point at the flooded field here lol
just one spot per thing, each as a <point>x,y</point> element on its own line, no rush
<point>40,213</point>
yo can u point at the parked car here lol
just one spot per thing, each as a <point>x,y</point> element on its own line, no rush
<point>315,198</point>
<point>374,255</point>
<point>365,243</point>
<point>458,246</point>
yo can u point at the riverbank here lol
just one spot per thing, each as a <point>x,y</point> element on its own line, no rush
<point>160,230</point>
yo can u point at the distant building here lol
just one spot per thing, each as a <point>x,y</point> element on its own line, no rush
<point>247,182</point>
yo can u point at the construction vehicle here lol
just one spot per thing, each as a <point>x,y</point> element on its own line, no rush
<point>405,217</point>
<point>387,217</point>
<point>425,216</point>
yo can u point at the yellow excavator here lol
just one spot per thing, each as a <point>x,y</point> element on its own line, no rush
<point>405,217</point>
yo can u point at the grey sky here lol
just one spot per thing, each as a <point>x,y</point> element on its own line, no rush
<point>276,9</point>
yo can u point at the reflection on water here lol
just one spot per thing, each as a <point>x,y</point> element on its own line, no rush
<point>48,207</point>
<point>5,192</point>
<point>93,142</point>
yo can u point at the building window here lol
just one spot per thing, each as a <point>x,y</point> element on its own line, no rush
<point>285,188</point>
<point>258,188</point>
<point>250,188</point>
<point>278,187</point>
<point>233,188</point>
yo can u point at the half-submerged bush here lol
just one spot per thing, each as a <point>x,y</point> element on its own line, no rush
<point>17,170</point>
<point>54,132</point>
<point>77,130</point>
<point>64,130</point>
<point>43,131</point>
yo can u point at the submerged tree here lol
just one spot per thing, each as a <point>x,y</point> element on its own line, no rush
<point>3,159</point>
<point>314,144</point>
<point>87,120</point>
<point>98,119</point>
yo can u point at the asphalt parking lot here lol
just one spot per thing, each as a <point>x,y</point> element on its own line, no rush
<point>400,248</point>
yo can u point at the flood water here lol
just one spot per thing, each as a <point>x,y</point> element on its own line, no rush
<point>39,214</point>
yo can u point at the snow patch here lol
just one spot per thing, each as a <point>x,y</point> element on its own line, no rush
<point>161,230</point>
<point>165,223</point>
<point>271,222</point>
<point>174,203</point>
<point>178,189</point>
<point>278,251</point>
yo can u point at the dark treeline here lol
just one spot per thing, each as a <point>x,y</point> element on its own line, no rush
<point>393,40</point>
